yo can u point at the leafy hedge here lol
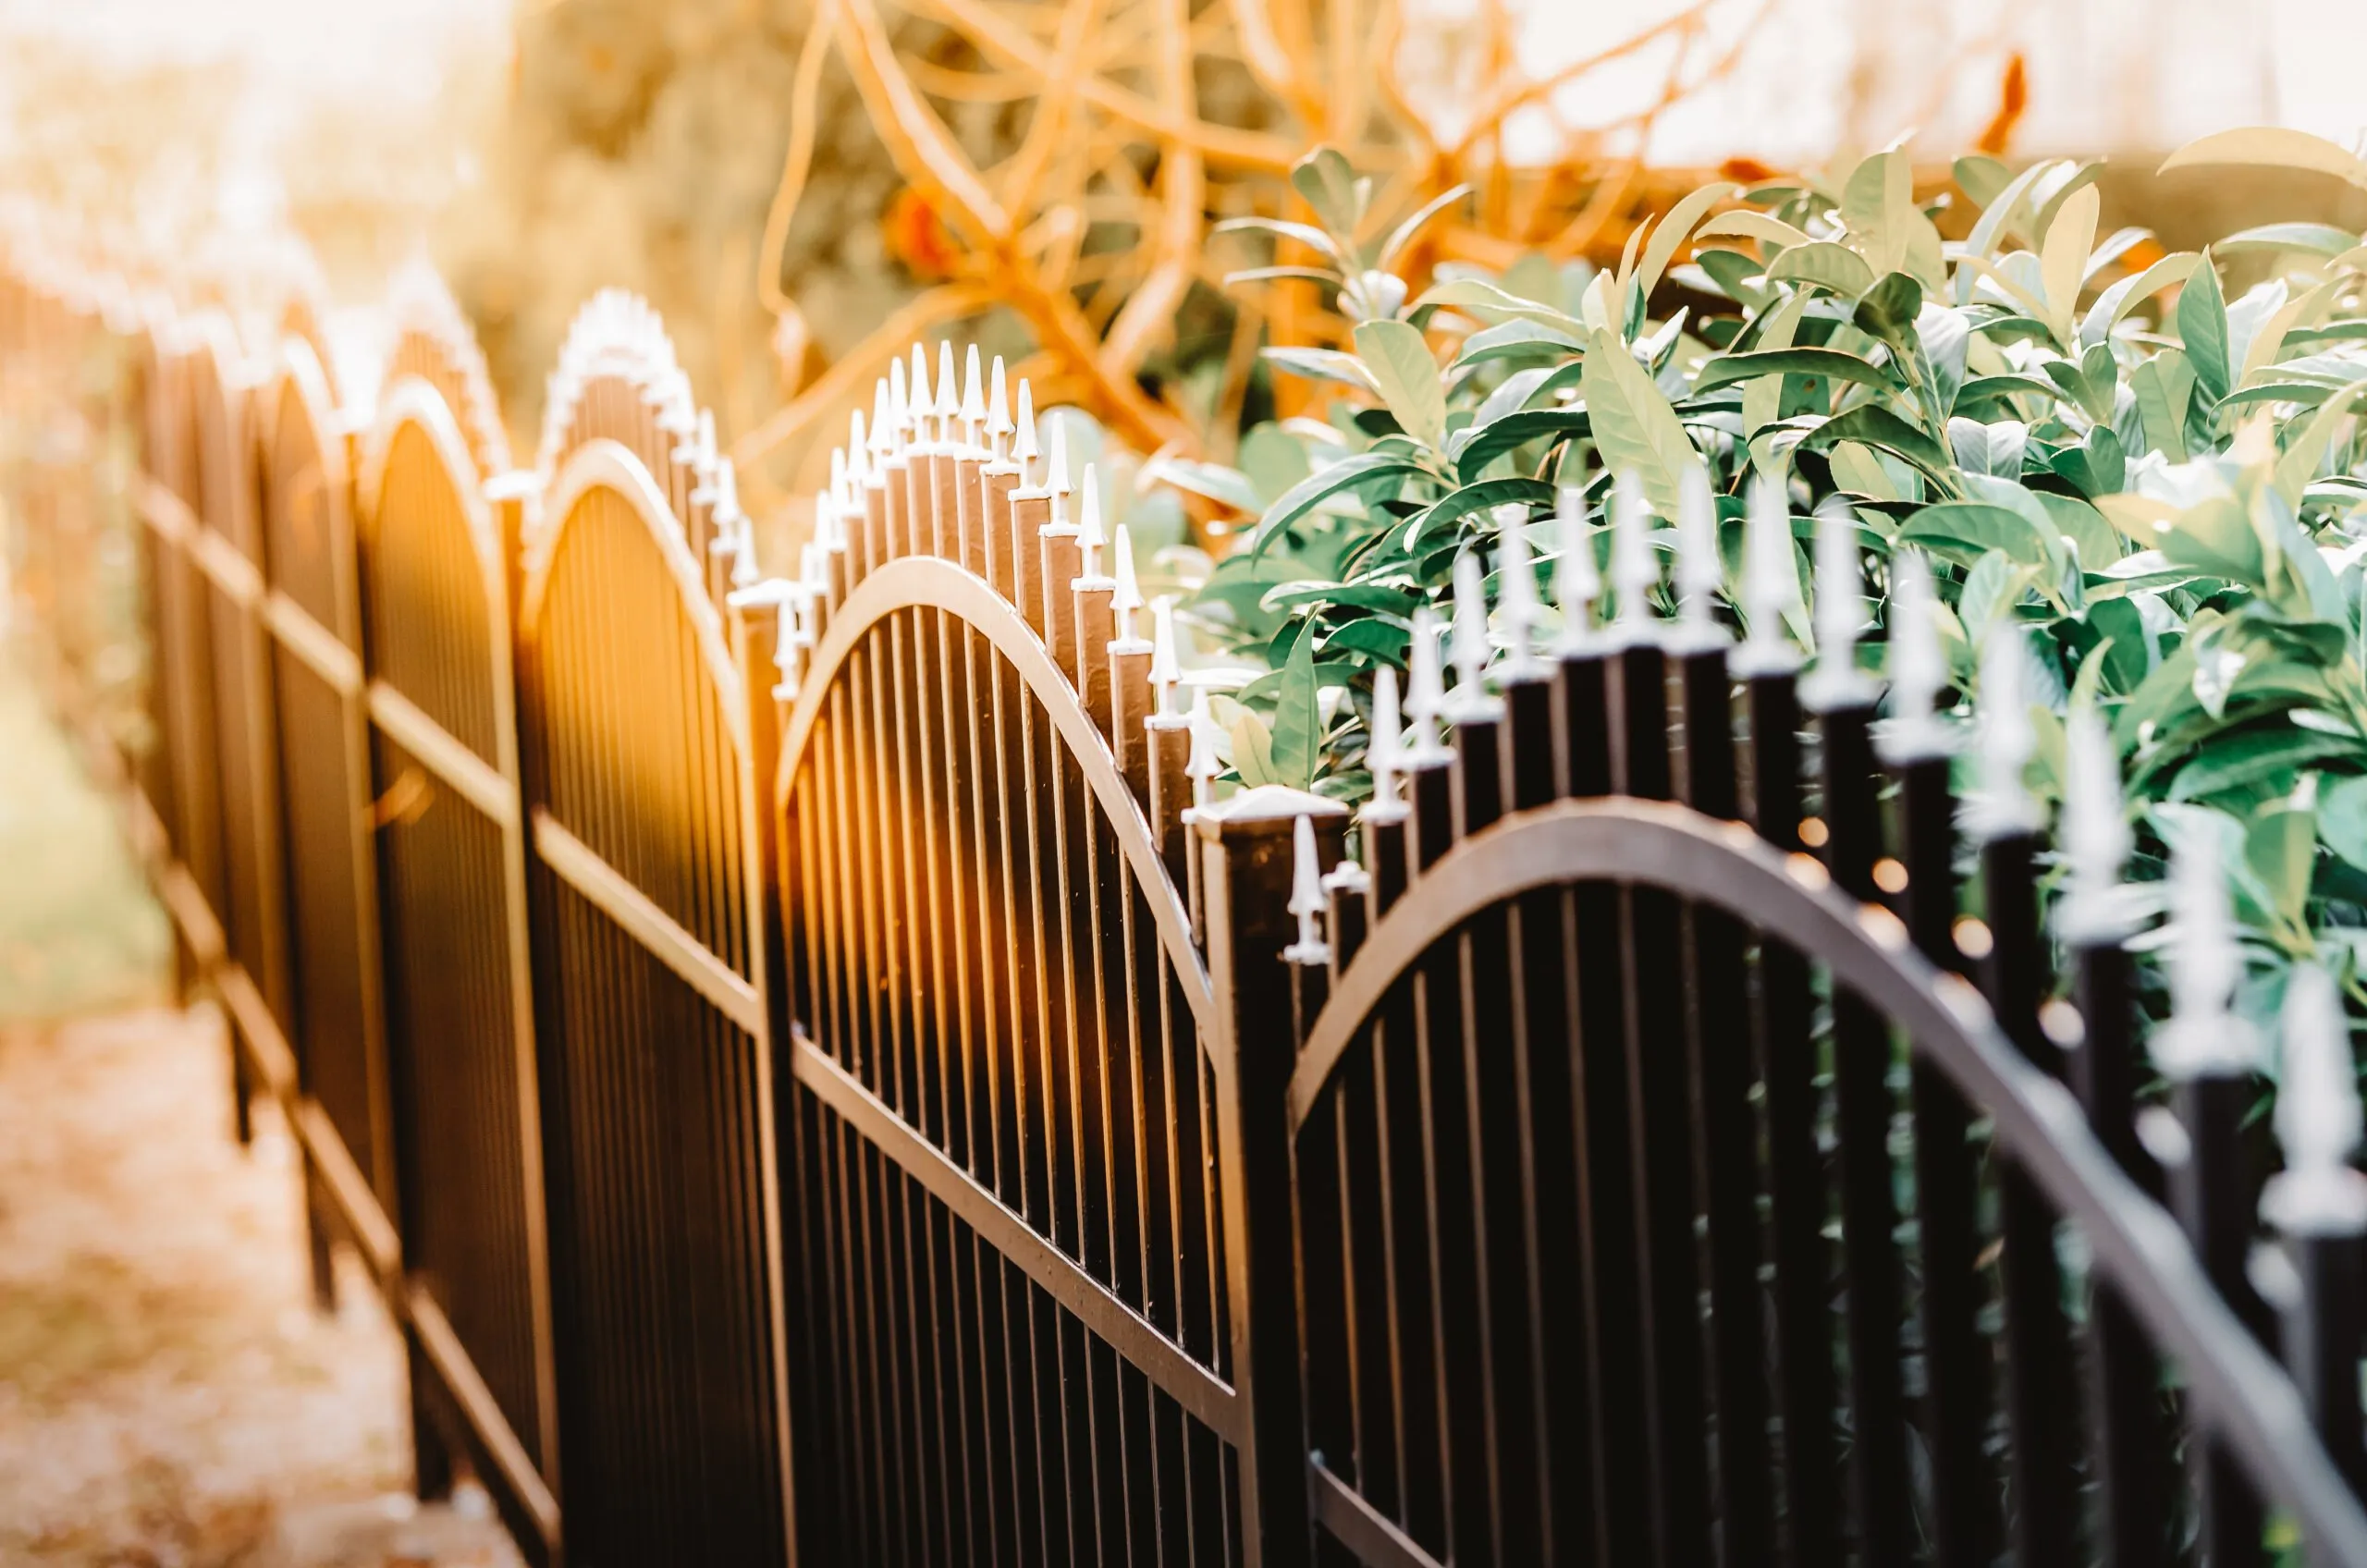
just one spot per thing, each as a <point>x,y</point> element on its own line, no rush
<point>2156,484</point>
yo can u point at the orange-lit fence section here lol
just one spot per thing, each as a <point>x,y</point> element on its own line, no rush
<point>822,1073</point>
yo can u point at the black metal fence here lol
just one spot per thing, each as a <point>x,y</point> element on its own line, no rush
<point>820,1074</point>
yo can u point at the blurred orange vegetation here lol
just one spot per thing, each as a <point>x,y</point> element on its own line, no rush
<point>1148,122</point>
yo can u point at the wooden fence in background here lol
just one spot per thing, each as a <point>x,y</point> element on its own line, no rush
<point>820,1074</point>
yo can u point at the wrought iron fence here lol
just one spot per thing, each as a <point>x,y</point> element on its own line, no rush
<point>821,1074</point>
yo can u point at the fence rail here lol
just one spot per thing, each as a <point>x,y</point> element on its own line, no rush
<point>821,1073</point>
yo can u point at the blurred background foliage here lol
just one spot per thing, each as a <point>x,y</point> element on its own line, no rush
<point>802,187</point>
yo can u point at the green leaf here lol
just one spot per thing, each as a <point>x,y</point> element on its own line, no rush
<point>1371,636</point>
<point>2098,542</point>
<point>1323,364</point>
<point>1888,310</point>
<point>1672,230</point>
<point>2299,464</point>
<point>1877,426</point>
<point>1831,364</point>
<point>1324,483</point>
<point>2164,386</point>
<point>1495,439</point>
<point>1966,530</point>
<point>1489,303</point>
<point>2280,848</point>
<point>2125,296</point>
<point>2009,386</point>
<point>1400,366</point>
<point>2342,818</point>
<point>1825,265</point>
<point>1217,483</point>
<point>1635,428</point>
<point>1403,235</point>
<point>1297,742</point>
<point>1478,497</point>
<point>1275,461</point>
<point>1253,749</point>
<point>2217,537</point>
<point>2062,258</point>
<point>2230,762</point>
<point>1328,183</point>
<point>1515,339</point>
<point>2202,330</point>
<point>2262,146</point>
<point>1306,234</point>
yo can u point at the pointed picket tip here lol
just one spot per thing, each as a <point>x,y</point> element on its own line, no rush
<point>2004,805</point>
<point>1771,582</point>
<point>1468,642</point>
<point>1165,671</point>
<point>1577,581</point>
<point>998,400</point>
<point>2202,1037</point>
<point>948,387</point>
<point>917,405</point>
<point>2095,834</point>
<point>1128,598</point>
<point>1634,572</point>
<point>1918,666</point>
<point>974,395</point>
<point>1024,449</point>
<point>1517,606</point>
<point>1835,682</point>
<point>2317,1114</point>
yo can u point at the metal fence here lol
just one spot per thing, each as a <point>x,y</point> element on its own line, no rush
<point>821,1074</point>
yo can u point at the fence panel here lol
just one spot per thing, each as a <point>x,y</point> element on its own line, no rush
<point>314,618</point>
<point>1017,1294</point>
<point>434,596</point>
<point>650,1019</point>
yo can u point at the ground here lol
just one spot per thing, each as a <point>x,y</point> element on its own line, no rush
<point>170,1397</point>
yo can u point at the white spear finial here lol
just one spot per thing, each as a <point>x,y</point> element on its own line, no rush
<point>1164,669</point>
<point>2203,1038</point>
<point>1384,752</point>
<point>1128,596</point>
<point>1089,535</point>
<point>1771,580</point>
<point>1836,682</point>
<point>1516,602</point>
<point>998,426</point>
<point>1202,764</point>
<point>1057,480</point>
<point>2317,1112</point>
<point>1425,692</point>
<point>1023,450</point>
<point>837,475</point>
<point>1468,642</point>
<point>918,407</point>
<point>973,400</point>
<point>2094,831</point>
<point>1578,582</point>
<point>1634,572</point>
<point>1918,668</point>
<point>1307,900</point>
<point>948,392</point>
<point>2004,805</point>
<point>743,559</point>
<point>1700,574</point>
<point>858,457</point>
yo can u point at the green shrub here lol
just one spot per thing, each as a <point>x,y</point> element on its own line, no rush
<point>2155,484</point>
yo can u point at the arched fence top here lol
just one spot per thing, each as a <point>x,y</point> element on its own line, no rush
<point>434,340</point>
<point>2136,1245</point>
<point>616,336</point>
<point>604,464</point>
<point>412,402</point>
<point>931,582</point>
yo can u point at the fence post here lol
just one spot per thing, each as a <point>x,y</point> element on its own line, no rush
<point>1247,852</point>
